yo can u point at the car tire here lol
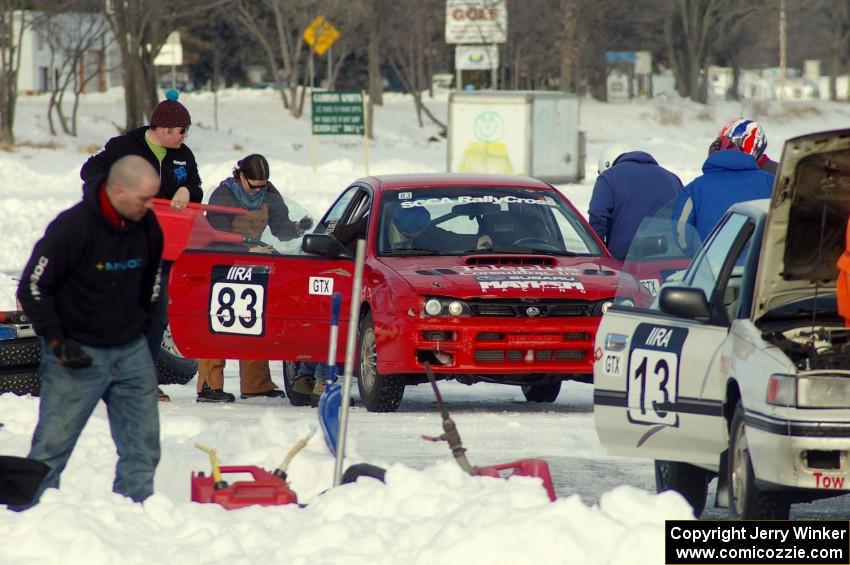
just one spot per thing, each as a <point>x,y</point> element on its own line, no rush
<point>746,500</point>
<point>288,378</point>
<point>19,360</point>
<point>542,393</point>
<point>171,367</point>
<point>378,393</point>
<point>686,479</point>
<point>358,470</point>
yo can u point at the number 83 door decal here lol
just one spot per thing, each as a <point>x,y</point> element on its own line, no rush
<point>653,382</point>
<point>238,299</point>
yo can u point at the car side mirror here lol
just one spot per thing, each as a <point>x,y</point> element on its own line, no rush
<point>684,302</point>
<point>324,245</point>
<point>648,246</point>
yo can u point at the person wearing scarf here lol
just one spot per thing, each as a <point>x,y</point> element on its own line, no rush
<point>250,189</point>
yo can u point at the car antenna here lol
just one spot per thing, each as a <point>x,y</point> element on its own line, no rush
<point>450,434</point>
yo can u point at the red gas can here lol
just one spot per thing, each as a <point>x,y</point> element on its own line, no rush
<point>265,489</point>
<point>523,468</point>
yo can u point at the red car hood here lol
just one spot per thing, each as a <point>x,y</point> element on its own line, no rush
<point>509,276</point>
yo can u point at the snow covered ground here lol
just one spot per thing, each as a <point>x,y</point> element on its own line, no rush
<point>429,511</point>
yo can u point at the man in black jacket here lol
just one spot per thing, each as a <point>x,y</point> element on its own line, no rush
<point>89,288</point>
<point>161,144</point>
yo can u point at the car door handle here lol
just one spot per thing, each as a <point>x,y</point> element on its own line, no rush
<point>616,342</point>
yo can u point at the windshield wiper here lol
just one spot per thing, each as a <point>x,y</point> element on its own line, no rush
<point>522,251</point>
<point>416,251</point>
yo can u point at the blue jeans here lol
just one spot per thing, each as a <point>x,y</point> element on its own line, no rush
<point>306,368</point>
<point>125,379</point>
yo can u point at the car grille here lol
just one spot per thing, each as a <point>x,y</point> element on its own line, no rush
<point>543,309</point>
<point>500,355</point>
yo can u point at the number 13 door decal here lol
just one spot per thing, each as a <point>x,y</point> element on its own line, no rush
<point>238,299</point>
<point>653,381</point>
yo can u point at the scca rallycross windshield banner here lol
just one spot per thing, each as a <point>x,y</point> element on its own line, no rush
<point>809,542</point>
<point>487,199</point>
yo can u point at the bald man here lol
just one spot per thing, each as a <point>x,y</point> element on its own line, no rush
<point>89,289</point>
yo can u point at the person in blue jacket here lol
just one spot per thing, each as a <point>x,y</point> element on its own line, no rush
<point>729,175</point>
<point>630,187</point>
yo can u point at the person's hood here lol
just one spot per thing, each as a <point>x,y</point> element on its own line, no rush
<point>805,230</point>
<point>509,276</point>
<point>729,160</point>
<point>637,157</point>
<point>139,133</point>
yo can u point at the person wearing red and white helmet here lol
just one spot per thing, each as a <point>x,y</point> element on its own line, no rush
<point>749,137</point>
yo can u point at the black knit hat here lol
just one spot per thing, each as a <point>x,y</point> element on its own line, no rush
<point>170,113</point>
<point>254,167</point>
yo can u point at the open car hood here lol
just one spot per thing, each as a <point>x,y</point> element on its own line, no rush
<point>807,220</point>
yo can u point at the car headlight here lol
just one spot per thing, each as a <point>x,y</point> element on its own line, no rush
<point>809,392</point>
<point>823,392</point>
<point>437,306</point>
<point>433,307</point>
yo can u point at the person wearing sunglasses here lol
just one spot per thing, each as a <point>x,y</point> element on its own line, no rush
<point>248,188</point>
<point>162,145</point>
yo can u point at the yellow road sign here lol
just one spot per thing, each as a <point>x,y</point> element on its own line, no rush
<point>320,35</point>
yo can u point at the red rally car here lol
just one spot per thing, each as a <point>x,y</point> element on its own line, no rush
<point>488,278</point>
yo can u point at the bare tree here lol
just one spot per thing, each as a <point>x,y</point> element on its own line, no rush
<point>14,20</point>
<point>140,28</point>
<point>277,26</point>
<point>78,42</point>
<point>692,29</point>
<point>406,49</point>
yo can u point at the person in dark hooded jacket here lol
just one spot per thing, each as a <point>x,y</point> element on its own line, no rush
<point>632,187</point>
<point>89,288</point>
<point>161,145</point>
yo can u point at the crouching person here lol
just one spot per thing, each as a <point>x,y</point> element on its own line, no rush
<point>89,288</point>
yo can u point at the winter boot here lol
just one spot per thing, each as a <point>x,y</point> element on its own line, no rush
<point>316,393</point>
<point>302,388</point>
<point>208,394</point>
<point>273,393</point>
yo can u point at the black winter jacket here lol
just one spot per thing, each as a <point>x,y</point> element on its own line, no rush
<point>90,280</point>
<point>178,167</point>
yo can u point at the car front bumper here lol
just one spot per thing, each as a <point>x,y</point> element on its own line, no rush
<point>485,346</point>
<point>801,454</point>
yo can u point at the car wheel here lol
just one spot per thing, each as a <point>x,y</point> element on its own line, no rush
<point>19,360</point>
<point>542,393</point>
<point>689,481</point>
<point>171,367</point>
<point>746,500</point>
<point>289,371</point>
<point>378,393</point>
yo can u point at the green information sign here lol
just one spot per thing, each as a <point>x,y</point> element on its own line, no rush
<point>338,113</point>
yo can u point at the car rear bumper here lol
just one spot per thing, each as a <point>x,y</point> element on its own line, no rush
<point>486,346</point>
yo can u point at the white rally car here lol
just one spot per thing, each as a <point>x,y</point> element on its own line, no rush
<point>740,368</point>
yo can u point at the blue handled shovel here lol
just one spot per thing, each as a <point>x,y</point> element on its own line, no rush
<point>330,400</point>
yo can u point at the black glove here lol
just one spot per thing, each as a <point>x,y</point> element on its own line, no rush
<point>69,354</point>
<point>305,223</point>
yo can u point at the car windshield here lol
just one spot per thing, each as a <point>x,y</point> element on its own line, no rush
<point>660,253</point>
<point>277,231</point>
<point>459,221</point>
